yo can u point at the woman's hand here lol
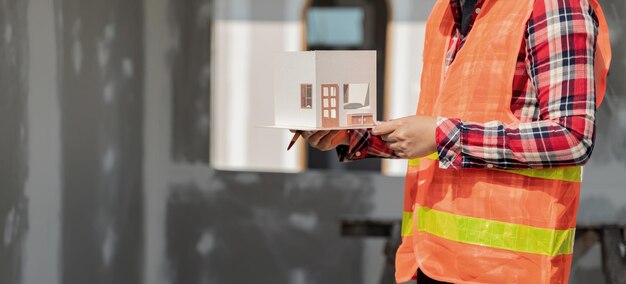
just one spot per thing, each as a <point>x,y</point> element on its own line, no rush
<point>326,140</point>
<point>409,137</point>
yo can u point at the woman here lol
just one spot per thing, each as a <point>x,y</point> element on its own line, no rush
<point>505,120</point>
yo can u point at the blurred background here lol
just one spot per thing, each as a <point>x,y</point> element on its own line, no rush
<point>130,150</point>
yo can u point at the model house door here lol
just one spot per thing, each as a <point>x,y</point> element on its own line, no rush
<point>330,105</point>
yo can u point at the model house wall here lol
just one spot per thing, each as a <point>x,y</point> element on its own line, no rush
<point>292,70</point>
<point>325,89</point>
<point>357,69</point>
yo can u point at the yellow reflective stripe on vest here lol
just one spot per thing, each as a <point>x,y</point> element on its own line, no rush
<point>494,234</point>
<point>570,174</point>
<point>416,162</point>
<point>407,224</point>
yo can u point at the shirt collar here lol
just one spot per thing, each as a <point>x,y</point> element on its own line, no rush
<point>456,7</point>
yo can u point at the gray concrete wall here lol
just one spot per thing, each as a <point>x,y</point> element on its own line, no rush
<point>100,72</point>
<point>191,83</point>
<point>13,138</point>
<point>301,242</point>
<point>104,174</point>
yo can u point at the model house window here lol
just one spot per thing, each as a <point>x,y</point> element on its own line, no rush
<point>361,119</point>
<point>356,96</point>
<point>306,96</point>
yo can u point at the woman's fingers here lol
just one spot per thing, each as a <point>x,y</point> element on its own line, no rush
<point>326,143</point>
<point>397,150</point>
<point>389,138</point>
<point>384,127</point>
<point>397,146</point>
<point>323,139</point>
<point>315,138</point>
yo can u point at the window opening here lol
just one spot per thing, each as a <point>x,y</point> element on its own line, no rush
<point>306,96</point>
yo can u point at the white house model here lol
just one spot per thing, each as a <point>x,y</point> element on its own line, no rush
<point>325,89</point>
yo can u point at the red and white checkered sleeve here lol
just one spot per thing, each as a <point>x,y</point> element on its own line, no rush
<point>363,144</point>
<point>560,47</point>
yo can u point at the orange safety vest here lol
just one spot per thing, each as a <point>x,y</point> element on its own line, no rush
<point>487,225</point>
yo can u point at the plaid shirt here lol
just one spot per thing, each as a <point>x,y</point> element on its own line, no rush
<point>553,98</point>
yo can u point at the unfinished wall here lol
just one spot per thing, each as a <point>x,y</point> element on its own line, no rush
<point>191,84</point>
<point>13,138</point>
<point>301,242</point>
<point>100,51</point>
